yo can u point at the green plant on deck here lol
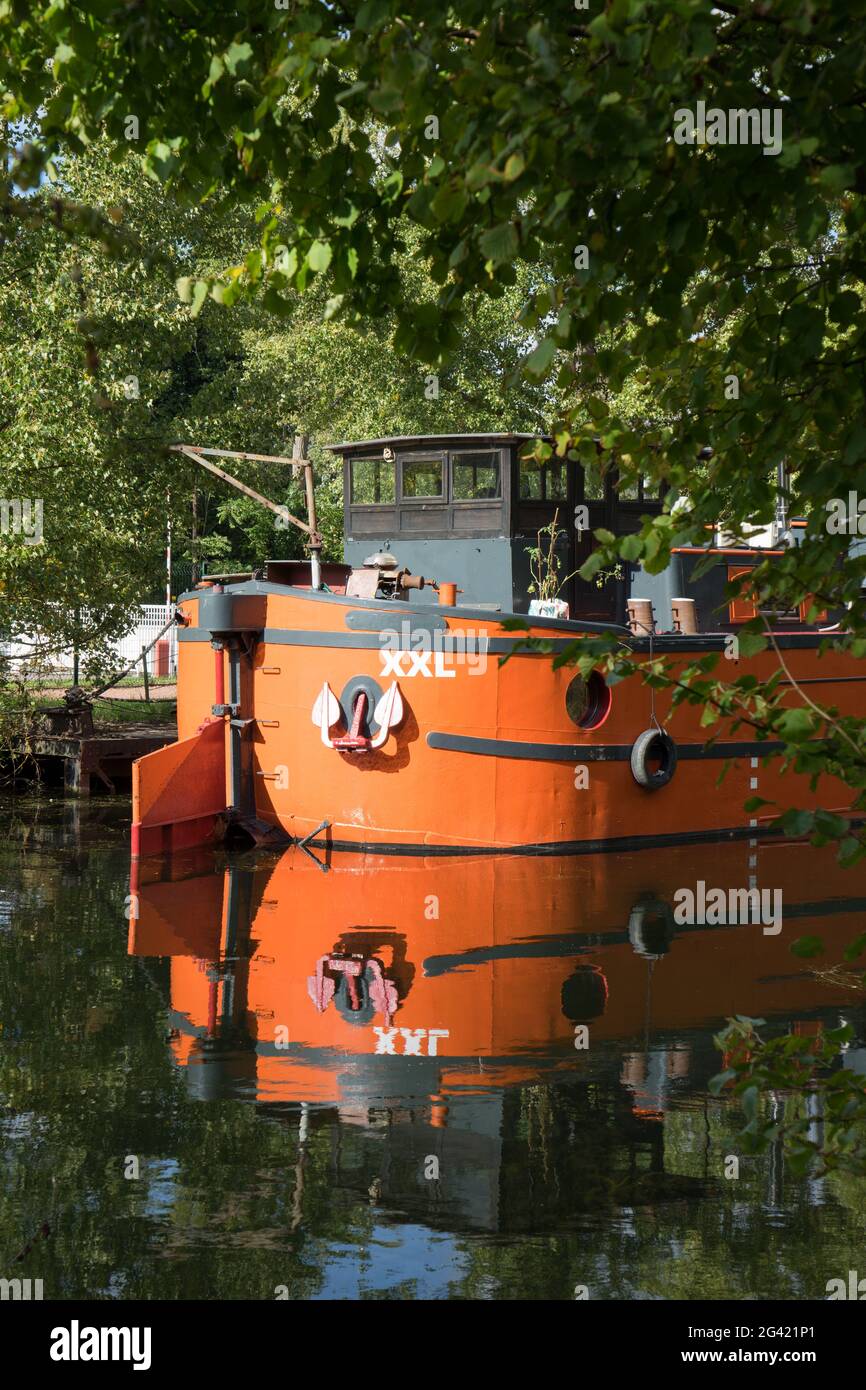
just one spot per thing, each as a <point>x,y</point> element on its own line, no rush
<point>544,563</point>
<point>774,1079</point>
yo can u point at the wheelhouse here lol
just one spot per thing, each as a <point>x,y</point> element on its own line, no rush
<point>468,507</point>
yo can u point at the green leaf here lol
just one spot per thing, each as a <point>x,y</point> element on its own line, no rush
<point>539,361</point>
<point>592,565</point>
<point>795,724</point>
<point>237,55</point>
<point>319,256</point>
<point>807,947</point>
<point>499,244</point>
<point>199,295</point>
<point>718,1082</point>
<point>450,202</point>
<point>751,642</point>
<point>837,178</point>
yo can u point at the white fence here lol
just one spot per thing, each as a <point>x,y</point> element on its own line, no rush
<point>149,619</point>
<point>145,623</point>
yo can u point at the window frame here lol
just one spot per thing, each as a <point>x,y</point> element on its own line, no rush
<point>542,471</point>
<point>439,456</point>
<point>495,501</point>
<point>371,506</point>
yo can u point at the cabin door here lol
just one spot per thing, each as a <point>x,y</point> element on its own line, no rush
<point>601,599</point>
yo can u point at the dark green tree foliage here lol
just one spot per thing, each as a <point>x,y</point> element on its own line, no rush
<point>101,367</point>
<point>511,137</point>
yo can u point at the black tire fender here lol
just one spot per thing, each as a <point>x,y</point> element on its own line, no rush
<point>653,745</point>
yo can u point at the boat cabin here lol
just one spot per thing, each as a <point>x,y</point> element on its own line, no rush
<point>465,511</point>
<point>468,507</point>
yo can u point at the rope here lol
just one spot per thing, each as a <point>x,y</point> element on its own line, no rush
<point>653,716</point>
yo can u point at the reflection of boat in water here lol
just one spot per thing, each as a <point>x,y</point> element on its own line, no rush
<point>423,979</point>
<point>437,1069</point>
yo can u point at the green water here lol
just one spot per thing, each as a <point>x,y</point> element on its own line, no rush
<point>553,1175</point>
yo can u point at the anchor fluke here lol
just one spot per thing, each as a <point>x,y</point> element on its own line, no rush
<point>326,713</point>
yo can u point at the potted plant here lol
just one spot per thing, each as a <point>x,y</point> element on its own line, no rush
<point>544,568</point>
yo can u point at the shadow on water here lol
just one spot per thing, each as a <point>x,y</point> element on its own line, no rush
<point>387,1078</point>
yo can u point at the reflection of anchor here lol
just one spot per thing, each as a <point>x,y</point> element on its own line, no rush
<point>387,714</point>
<point>355,970</point>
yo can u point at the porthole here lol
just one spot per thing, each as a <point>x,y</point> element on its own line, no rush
<point>587,700</point>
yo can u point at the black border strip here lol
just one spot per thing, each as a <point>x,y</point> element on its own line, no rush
<point>360,621</point>
<point>456,641</point>
<point>587,752</point>
<point>450,643</point>
<point>716,641</point>
<point>619,844</point>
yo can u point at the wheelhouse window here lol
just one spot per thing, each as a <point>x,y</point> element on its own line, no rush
<point>631,489</point>
<point>556,480</point>
<point>593,483</point>
<point>543,483</point>
<point>422,477</point>
<point>372,482</point>
<point>475,475</point>
<point>639,490</point>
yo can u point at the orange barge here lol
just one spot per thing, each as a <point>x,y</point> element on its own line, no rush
<point>337,705</point>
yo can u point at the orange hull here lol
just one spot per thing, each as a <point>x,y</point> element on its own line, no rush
<point>485,755</point>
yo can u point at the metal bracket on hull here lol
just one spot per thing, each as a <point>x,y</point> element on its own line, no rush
<point>324,825</point>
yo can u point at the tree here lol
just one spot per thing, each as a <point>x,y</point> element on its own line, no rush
<point>612,154</point>
<point>116,368</point>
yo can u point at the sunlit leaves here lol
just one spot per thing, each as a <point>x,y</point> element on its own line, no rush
<point>771,1076</point>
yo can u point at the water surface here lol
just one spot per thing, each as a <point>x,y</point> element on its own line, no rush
<point>243,1076</point>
